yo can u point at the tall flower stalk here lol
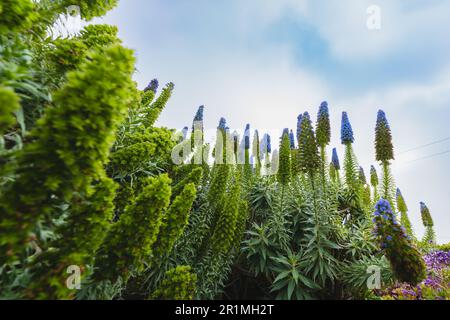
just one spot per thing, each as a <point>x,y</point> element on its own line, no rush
<point>155,109</point>
<point>294,155</point>
<point>284,168</point>
<point>323,133</point>
<point>308,149</point>
<point>299,126</point>
<point>374,182</point>
<point>247,164</point>
<point>256,153</point>
<point>265,151</point>
<point>350,162</point>
<point>335,167</point>
<point>403,209</point>
<point>384,151</point>
<point>309,159</point>
<point>365,188</point>
<point>430,235</point>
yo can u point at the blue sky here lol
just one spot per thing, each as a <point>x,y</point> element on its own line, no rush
<point>264,62</point>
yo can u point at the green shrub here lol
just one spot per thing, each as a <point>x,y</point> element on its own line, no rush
<point>9,102</point>
<point>78,238</point>
<point>174,222</point>
<point>71,145</point>
<point>178,284</point>
<point>16,15</point>
<point>130,240</point>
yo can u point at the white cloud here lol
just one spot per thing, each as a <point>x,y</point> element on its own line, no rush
<point>404,26</point>
<point>264,89</point>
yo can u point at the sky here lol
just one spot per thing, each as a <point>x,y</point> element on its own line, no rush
<point>265,62</point>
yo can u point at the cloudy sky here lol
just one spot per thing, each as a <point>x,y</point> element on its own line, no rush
<point>264,62</point>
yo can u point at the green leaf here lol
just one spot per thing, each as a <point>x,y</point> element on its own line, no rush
<point>295,275</point>
<point>21,120</point>
<point>279,285</point>
<point>282,276</point>
<point>291,288</point>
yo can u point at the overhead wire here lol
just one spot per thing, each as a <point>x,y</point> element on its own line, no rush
<point>424,145</point>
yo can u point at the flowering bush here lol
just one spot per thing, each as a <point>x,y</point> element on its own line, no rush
<point>435,287</point>
<point>406,262</point>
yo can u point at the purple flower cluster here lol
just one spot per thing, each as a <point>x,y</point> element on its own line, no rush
<point>432,282</point>
<point>346,130</point>
<point>383,206</point>
<point>292,139</point>
<point>153,86</point>
<point>381,119</point>
<point>409,292</point>
<point>268,143</point>
<point>306,116</point>
<point>184,132</point>
<point>197,123</point>
<point>437,260</point>
<point>299,126</point>
<point>387,228</point>
<point>265,145</point>
<point>426,215</point>
<point>199,114</point>
<point>423,206</point>
<point>222,124</point>
<point>247,137</point>
<point>335,160</point>
<point>323,110</point>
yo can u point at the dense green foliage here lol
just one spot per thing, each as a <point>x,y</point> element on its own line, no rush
<point>89,216</point>
<point>70,146</point>
<point>10,103</point>
<point>84,179</point>
<point>15,15</point>
<point>284,167</point>
<point>130,240</point>
<point>89,183</point>
<point>178,284</point>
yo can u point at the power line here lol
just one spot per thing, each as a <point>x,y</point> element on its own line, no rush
<point>425,145</point>
<point>430,156</point>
